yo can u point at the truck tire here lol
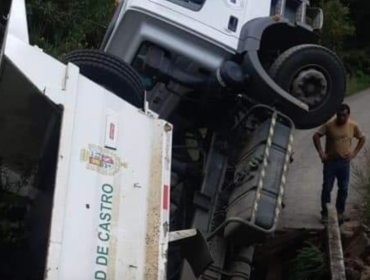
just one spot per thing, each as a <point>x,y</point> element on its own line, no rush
<point>110,72</point>
<point>314,75</point>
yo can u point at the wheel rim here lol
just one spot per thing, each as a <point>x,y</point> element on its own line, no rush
<point>311,86</point>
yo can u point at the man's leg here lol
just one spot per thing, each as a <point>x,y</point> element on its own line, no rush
<point>343,174</point>
<point>327,186</point>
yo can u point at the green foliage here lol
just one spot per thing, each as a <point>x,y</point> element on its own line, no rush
<point>358,60</point>
<point>3,9</point>
<point>360,16</point>
<point>13,207</point>
<point>358,82</point>
<point>361,180</point>
<point>341,29</point>
<point>60,26</point>
<point>367,212</point>
<point>309,264</point>
<point>337,25</point>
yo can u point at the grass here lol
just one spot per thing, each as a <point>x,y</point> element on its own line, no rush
<point>13,215</point>
<point>310,264</point>
<point>357,83</point>
<point>361,180</point>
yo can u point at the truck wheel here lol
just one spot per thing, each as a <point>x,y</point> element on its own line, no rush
<point>110,72</point>
<point>314,75</point>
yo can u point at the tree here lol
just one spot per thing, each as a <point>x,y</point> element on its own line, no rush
<point>4,8</point>
<point>360,15</point>
<point>337,26</point>
<point>59,26</point>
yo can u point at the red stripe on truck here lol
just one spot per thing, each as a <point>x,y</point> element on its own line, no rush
<point>112,131</point>
<point>166,198</point>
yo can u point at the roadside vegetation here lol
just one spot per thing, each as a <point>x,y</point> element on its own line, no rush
<point>359,82</point>
<point>13,214</point>
<point>310,264</point>
<point>361,181</point>
<point>344,32</point>
<point>60,26</point>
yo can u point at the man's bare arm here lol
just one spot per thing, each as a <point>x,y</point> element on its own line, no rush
<point>317,142</point>
<point>359,146</point>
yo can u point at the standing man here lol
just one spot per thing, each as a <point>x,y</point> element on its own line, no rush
<point>336,158</point>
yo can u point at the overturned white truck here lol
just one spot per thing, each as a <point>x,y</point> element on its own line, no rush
<point>120,193</point>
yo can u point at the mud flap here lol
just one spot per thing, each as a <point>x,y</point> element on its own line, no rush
<point>262,87</point>
<point>194,249</point>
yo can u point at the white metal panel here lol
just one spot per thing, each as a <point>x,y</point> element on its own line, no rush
<point>101,192</point>
<point>17,25</point>
<point>108,201</point>
<point>63,174</point>
<point>256,10</point>
<point>211,22</point>
<point>43,70</point>
<point>227,41</point>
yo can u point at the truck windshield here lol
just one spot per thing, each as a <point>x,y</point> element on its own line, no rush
<point>194,5</point>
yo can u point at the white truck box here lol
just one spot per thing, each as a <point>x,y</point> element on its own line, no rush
<point>109,202</point>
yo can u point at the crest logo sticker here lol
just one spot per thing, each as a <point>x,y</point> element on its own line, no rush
<point>101,160</point>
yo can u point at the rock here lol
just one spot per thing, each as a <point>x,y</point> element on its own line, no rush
<point>352,224</point>
<point>357,264</point>
<point>365,228</point>
<point>366,253</point>
<point>356,245</point>
<point>353,274</point>
<point>366,274</point>
<point>346,236</point>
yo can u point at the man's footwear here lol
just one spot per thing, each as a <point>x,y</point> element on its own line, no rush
<point>342,218</point>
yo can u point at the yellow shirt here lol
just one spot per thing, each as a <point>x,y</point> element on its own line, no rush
<point>339,137</point>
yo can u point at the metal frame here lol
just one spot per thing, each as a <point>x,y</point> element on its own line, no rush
<point>251,224</point>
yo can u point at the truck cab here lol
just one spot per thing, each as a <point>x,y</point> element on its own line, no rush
<point>241,46</point>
